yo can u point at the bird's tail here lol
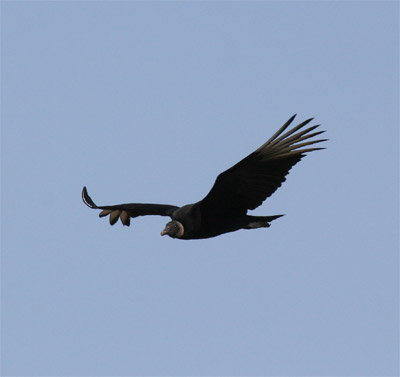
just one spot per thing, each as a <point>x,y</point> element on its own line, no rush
<point>268,219</point>
<point>260,221</point>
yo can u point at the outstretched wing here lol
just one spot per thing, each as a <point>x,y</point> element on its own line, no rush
<point>248,183</point>
<point>126,211</point>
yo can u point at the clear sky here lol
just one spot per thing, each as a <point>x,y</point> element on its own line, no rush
<point>149,102</point>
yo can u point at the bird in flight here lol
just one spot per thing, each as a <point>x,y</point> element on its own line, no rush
<point>242,187</point>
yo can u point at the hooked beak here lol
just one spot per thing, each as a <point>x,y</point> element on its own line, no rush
<point>164,232</point>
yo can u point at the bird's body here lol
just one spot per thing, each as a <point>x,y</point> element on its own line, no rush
<point>242,187</point>
<point>199,223</point>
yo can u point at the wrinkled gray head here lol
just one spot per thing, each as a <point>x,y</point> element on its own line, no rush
<point>174,229</point>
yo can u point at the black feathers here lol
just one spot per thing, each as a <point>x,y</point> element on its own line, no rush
<point>248,183</point>
<point>242,187</point>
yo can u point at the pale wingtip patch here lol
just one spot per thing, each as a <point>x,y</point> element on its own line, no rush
<point>125,218</point>
<point>114,216</point>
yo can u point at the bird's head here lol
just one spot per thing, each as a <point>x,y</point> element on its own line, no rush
<point>174,229</point>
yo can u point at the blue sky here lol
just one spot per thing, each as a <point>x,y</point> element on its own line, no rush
<point>149,102</point>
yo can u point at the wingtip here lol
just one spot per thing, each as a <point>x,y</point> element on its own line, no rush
<point>84,193</point>
<point>307,121</point>
<point>87,199</point>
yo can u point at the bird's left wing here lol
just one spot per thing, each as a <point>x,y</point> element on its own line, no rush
<point>126,211</point>
<point>248,183</point>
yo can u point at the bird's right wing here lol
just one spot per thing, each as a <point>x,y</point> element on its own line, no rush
<point>126,211</point>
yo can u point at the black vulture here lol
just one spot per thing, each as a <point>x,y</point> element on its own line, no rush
<point>242,187</point>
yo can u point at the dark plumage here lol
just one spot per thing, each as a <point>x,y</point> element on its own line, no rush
<point>242,187</point>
